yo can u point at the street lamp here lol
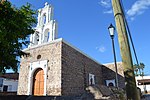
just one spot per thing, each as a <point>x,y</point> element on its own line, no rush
<point>111,29</point>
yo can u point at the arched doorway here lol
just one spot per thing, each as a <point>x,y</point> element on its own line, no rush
<point>38,82</point>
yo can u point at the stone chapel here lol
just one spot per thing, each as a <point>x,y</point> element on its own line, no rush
<point>54,67</point>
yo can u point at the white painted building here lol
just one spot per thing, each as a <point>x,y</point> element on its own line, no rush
<point>8,85</point>
<point>143,83</point>
<point>9,82</point>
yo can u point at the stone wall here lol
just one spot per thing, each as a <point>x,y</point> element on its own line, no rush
<point>50,52</point>
<point>75,71</point>
<point>54,69</point>
<point>108,71</point>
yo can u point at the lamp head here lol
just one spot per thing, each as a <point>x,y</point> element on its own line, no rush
<point>111,29</point>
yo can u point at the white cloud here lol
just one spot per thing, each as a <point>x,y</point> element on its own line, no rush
<point>105,3</point>
<point>101,49</point>
<point>138,8</point>
<point>108,12</point>
<point>132,18</point>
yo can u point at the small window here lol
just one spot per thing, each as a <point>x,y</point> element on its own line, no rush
<point>5,88</point>
<point>91,79</point>
<point>39,57</point>
<point>1,82</point>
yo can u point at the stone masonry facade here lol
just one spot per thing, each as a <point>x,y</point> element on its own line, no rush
<point>51,52</point>
<point>67,70</point>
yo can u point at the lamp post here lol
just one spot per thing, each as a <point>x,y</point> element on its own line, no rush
<point>111,29</point>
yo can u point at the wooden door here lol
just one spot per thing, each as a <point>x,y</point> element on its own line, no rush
<point>38,82</point>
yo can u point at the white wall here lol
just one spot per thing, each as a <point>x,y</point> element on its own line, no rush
<point>142,87</point>
<point>12,85</point>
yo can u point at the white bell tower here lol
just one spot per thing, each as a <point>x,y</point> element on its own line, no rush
<point>46,29</point>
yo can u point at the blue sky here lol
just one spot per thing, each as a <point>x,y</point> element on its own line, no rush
<point>84,24</point>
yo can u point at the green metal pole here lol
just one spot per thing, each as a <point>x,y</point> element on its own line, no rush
<point>131,89</point>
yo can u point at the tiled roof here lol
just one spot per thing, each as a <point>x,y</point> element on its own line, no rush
<point>144,81</point>
<point>10,76</point>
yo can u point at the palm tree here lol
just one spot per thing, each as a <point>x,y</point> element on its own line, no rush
<point>142,66</point>
<point>138,68</point>
<point>135,66</point>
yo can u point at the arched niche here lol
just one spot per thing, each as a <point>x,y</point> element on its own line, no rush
<point>36,37</point>
<point>111,84</point>
<point>44,18</point>
<point>46,35</point>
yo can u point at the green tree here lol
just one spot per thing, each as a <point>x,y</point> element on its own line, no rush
<point>138,68</point>
<point>15,26</point>
<point>141,67</point>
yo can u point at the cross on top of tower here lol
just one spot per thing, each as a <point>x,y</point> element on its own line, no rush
<point>46,3</point>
